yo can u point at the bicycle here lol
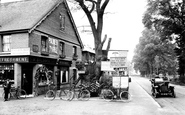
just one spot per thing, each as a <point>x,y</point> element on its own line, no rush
<point>80,92</point>
<point>109,95</point>
<point>51,94</point>
<point>16,93</point>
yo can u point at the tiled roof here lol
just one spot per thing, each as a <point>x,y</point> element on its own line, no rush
<point>24,14</point>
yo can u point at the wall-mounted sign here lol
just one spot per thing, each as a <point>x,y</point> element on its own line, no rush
<point>13,59</point>
<point>20,51</point>
<point>41,60</point>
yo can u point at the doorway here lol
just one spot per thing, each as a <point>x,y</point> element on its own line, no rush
<point>27,78</point>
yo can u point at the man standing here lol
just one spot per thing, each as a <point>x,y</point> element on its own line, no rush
<point>7,87</point>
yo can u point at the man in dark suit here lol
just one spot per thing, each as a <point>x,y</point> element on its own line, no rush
<point>7,87</point>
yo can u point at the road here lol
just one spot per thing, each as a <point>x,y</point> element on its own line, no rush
<point>169,105</point>
<point>142,103</point>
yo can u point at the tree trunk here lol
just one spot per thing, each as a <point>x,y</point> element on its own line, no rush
<point>99,7</point>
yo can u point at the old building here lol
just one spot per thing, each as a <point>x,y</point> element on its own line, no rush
<point>88,55</point>
<point>36,34</point>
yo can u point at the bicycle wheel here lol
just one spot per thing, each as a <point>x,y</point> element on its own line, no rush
<point>84,95</point>
<point>108,95</point>
<point>124,95</point>
<point>50,95</point>
<point>66,95</point>
<point>21,94</point>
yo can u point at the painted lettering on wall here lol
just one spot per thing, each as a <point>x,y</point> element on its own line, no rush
<point>13,59</point>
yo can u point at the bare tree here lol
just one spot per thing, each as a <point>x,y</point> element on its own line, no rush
<point>97,6</point>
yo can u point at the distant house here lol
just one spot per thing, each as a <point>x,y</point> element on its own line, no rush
<point>88,55</point>
<point>37,33</point>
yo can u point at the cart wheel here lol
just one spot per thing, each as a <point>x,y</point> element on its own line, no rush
<point>124,95</point>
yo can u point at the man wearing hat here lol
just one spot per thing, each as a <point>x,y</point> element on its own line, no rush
<point>7,87</point>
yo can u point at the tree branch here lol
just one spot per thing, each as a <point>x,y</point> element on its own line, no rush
<point>104,5</point>
<point>108,45</point>
<point>102,43</point>
<point>93,5</point>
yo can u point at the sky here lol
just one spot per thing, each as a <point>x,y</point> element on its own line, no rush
<point>122,23</point>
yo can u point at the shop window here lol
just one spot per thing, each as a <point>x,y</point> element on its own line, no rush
<point>44,45</point>
<point>6,43</point>
<point>64,76</point>
<point>53,45</point>
<point>62,22</point>
<point>6,72</point>
<point>42,79</point>
<point>44,75</point>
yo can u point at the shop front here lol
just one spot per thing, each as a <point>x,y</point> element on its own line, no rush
<point>63,73</point>
<point>34,73</point>
<point>10,68</point>
<point>6,72</point>
<point>21,70</point>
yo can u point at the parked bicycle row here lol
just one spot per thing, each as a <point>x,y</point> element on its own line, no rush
<point>80,92</point>
<point>83,92</point>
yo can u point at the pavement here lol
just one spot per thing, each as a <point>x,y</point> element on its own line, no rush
<point>141,104</point>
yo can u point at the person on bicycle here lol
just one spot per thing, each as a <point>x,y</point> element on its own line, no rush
<point>7,87</point>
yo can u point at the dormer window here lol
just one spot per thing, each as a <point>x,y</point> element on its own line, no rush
<point>6,43</point>
<point>62,22</point>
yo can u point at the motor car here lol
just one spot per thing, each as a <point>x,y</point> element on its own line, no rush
<point>161,87</point>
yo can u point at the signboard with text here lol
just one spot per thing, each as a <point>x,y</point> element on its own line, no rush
<point>20,51</point>
<point>117,53</point>
<point>118,58</point>
<point>117,62</point>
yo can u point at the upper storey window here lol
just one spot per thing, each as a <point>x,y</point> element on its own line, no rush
<point>44,45</point>
<point>53,45</point>
<point>74,50</point>
<point>6,43</point>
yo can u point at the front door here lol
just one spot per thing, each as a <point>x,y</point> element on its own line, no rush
<point>27,78</point>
